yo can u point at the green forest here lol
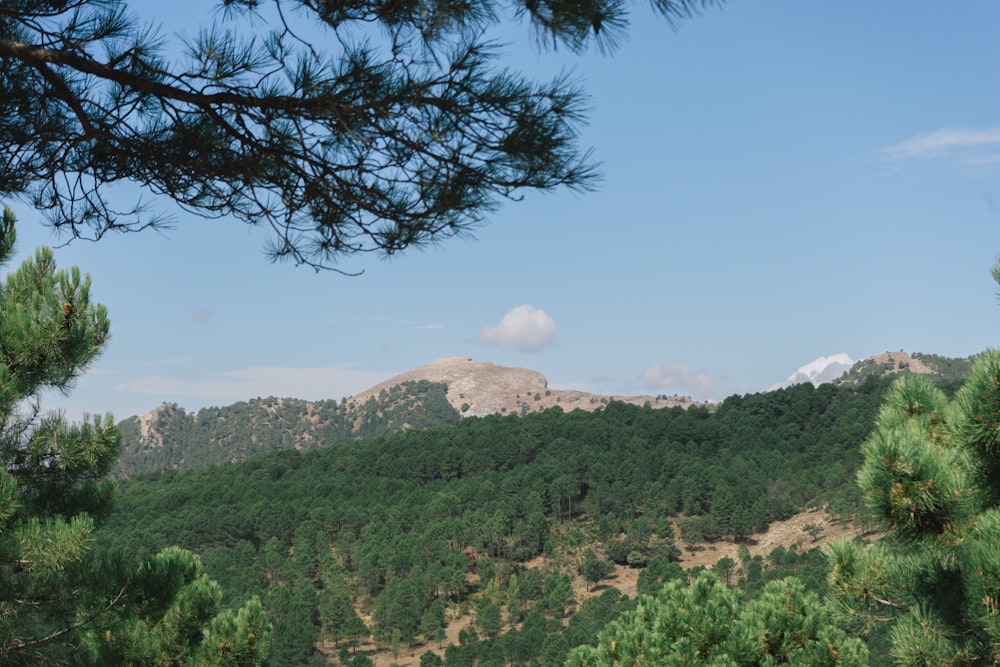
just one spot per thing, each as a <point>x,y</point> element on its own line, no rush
<point>232,433</point>
<point>491,518</point>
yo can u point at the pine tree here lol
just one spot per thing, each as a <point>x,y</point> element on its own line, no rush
<point>60,601</point>
<point>336,610</point>
<point>50,480</point>
<point>394,127</point>
<point>594,569</point>
<point>170,614</point>
<point>932,476</point>
<point>706,623</point>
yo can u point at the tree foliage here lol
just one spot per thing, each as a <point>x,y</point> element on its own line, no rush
<point>399,130</point>
<point>180,440</point>
<point>705,623</point>
<point>932,475</point>
<point>50,478</point>
<point>594,568</point>
<point>60,600</point>
<point>171,614</point>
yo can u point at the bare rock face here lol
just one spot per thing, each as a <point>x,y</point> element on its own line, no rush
<point>479,388</point>
<point>149,432</point>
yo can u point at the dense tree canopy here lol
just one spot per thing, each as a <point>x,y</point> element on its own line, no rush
<point>401,129</point>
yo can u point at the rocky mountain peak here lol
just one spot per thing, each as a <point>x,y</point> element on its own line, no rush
<point>479,388</point>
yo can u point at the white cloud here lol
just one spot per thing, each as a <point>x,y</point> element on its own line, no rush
<point>676,377</point>
<point>310,383</point>
<point>967,145</point>
<point>524,328</point>
<point>818,371</point>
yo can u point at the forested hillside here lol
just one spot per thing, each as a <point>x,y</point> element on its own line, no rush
<point>946,371</point>
<point>404,537</point>
<point>170,438</point>
<point>431,395</point>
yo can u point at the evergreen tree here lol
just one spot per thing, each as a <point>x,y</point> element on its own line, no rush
<point>60,601</point>
<point>656,574</point>
<point>594,569</point>
<point>336,610</point>
<point>932,476</point>
<point>50,480</point>
<point>172,616</point>
<point>489,618</point>
<point>724,569</point>
<point>704,623</point>
<point>404,132</point>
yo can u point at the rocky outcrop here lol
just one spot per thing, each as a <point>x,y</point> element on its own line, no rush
<point>479,388</point>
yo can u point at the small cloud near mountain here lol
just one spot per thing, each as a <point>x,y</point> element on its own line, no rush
<point>523,328</point>
<point>818,371</point>
<point>676,377</point>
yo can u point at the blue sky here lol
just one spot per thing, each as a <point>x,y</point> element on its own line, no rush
<point>783,180</point>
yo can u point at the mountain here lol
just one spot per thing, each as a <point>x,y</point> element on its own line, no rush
<point>947,369</point>
<point>171,438</point>
<point>479,388</point>
<point>841,369</point>
<point>437,394</point>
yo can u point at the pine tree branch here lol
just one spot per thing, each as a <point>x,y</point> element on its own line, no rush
<point>380,149</point>
<point>39,57</point>
<point>20,644</point>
